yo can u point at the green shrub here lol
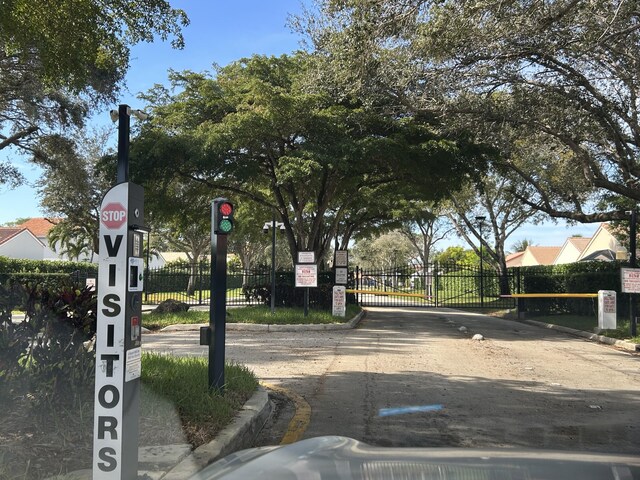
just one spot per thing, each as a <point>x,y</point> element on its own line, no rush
<point>48,345</point>
<point>581,277</point>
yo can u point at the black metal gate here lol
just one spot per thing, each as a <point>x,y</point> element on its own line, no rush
<point>435,285</point>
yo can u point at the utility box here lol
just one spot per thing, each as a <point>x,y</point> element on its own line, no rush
<point>607,314</point>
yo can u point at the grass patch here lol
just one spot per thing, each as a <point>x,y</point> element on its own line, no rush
<point>578,322</point>
<point>588,323</point>
<point>255,314</point>
<point>42,438</point>
<point>183,382</point>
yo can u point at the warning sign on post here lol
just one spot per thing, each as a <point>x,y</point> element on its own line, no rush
<point>342,258</point>
<point>630,280</point>
<point>306,275</point>
<point>339,304</point>
<point>607,309</point>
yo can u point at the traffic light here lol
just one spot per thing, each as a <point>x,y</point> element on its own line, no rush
<point>223,216</point>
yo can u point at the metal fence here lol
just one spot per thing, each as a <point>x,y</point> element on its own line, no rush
<point>191,284</point>
<point>436,285</point>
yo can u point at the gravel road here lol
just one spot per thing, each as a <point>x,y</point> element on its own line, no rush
<point>522,386</point>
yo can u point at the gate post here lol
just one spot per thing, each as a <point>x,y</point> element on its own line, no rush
<point>435,282</point>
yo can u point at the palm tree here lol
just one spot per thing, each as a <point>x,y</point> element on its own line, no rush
<point>521,245</point>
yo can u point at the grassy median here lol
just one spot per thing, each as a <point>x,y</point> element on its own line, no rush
<point>257,314</point>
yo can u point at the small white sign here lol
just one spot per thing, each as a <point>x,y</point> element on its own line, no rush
<point>342,258</point>
<point>306,257</point>
<point>341,276</point>
<point>306,275</point>
<point>339,304</point>
<point>133,365</point>
<point>630,280</point>
<point>607,309</point>
<point>91,283</point>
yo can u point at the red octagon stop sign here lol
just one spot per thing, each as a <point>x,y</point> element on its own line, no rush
<point>113,215</point>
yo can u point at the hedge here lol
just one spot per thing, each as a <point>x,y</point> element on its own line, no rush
<point>23,270</point>
<point>581,277</point>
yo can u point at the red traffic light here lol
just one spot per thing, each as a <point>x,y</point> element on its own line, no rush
<point>225,209</point>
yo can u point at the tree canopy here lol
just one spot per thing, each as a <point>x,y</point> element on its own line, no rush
<point>57,59</point>
<point>255,130</point>
<point>558,75</point>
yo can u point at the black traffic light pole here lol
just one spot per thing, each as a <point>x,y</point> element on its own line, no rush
<point>214,334</point>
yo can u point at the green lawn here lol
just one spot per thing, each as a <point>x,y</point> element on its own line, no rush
<point>256,314</point>
<point>588,324</point>
<point>183,382</point>
<point>155,298</point>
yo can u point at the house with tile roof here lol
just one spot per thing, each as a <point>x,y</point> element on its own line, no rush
<point>603,246</point>
<point>20,242</point>
<point>535,255</point>
<point>29,241</point>
<point>572,249</point>
<point>514,259</point>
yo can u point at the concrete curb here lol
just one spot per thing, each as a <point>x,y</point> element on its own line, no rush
<point>178,462</point>
<point>632,347</point>
<point>254,327</point>
<point>236,436</point>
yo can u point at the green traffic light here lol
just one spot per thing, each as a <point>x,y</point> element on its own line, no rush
<point>225,225</point>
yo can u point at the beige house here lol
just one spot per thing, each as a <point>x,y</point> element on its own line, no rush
<point>514,259</point>
<point>603,246</point>
<point>572,249</point>
<point>535,255</point>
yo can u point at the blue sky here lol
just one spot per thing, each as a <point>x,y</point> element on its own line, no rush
<point>222,31</point>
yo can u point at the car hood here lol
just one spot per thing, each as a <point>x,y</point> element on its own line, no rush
<point>334,457</point>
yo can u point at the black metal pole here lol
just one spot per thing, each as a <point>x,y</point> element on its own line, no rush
<point>124,122</point>
<point>306,301</point>
<point>273,264</point>
<point>632,262</point>
<point>217,309</point>
<point>481,271</point>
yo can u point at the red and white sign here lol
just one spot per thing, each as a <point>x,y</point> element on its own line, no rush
<point>306,275</point>
<point>339,304</point>
<point>113,216</point>
<point>630,280</point>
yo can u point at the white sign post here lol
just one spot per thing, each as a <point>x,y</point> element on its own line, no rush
<point>117,375</point>
<point>339,304</point>
<point>607,309</point>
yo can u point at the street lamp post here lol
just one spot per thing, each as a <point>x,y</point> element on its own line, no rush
<point>480,219</point>
<point>273,225</point>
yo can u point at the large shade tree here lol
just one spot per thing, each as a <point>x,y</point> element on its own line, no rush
<point>560,74</point>
<point>258,133</point>
<point>59,59</point>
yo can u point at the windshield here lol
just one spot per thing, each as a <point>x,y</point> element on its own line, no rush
<point>389,226</point>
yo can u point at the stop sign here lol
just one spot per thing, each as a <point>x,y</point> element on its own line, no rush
<point>113,215</point>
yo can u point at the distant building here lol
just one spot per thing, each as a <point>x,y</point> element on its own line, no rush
<point>18,242</point>
<point>572,249</point>
<point>602,246</point>
<point>29,241</point>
